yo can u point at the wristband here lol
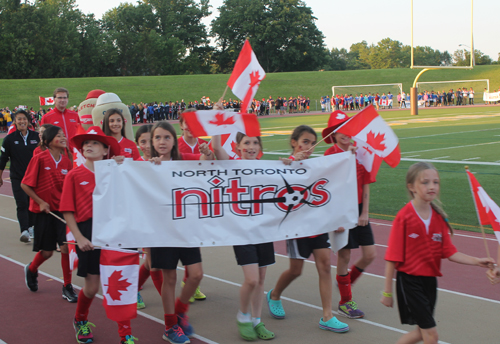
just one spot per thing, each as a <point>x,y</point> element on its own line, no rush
<point>386,294</point>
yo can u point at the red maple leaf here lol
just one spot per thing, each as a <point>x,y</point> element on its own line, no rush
<point>220,120</point>
<point>50,100</point>
<point>375,141</point>
<point>254,78</point>
<point>116,285</point>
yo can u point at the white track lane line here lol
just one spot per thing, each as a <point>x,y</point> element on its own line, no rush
<point>454,147</point>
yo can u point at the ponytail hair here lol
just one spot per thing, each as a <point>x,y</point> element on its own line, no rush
<point>411,177</point>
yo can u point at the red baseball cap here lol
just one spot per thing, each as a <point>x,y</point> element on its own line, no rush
<point>96,133</point>
<point>337,118</point>
<point>94,94</point>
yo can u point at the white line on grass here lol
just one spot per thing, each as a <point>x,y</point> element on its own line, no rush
<point>413,156</point>
<point>454,147</point>
<point>471,158</point>
<point>458,132</point>
<point>441,157</point>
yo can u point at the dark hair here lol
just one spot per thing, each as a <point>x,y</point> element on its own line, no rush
<point>174,154</point>
<point>21,111</point>
<point>49,134</point>
<point>297,133</point>
<point>146,128</point>
<point>60,90</point>
<point>240,137</point>
<point>44,126</point>
<point>105,121</point>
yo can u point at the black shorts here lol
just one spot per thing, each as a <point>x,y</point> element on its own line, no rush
<point>360,235</point>
<point>168,257</point>
<point>88,261</point>
<point>416,299</point>
<point>262,254</point>
<point>49,231</point>
<point>302,248</point>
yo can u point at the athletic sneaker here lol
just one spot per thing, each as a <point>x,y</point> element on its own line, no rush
<point>140,301</point>
<point>83,331</point>
<point>30,278</point>
<point>198,295</point>
<point>183,321</point>
<point>129,340</point>
<point>69,294</point>
<point>25,236</point>
<point>31,232</point>
<point>175,335</point>
<point>350,310</point>
<point>333,325</point>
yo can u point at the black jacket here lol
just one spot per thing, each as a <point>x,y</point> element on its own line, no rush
<point>19,153</point>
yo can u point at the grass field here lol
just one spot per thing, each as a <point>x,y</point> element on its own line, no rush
<point>193,87</point>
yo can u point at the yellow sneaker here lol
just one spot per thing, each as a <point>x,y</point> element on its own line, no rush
<point>191,299</point>
<point>198,295</point>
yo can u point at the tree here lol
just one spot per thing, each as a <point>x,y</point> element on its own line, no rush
<point>461,57</point>
<point>359,56</point>
<point>283,34</point>
<point>387,54</point>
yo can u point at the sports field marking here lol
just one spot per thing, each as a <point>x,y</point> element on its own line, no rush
<point>457,132</point>
<point>6,196</point>
<point>441,157</point>
<point>2,342</point>
<point>471,158</point>
<point>150,317</point>
<point>454,147</point>
<point>413,156</point>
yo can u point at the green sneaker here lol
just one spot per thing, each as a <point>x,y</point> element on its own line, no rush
<point>140,301</point>
<point>83,331</point>
<point>129,340</point>
<point>198,295</point>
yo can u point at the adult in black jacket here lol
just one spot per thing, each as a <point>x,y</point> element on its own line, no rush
<point>18,147</point>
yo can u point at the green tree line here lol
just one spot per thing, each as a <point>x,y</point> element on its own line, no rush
<point>54,39</point>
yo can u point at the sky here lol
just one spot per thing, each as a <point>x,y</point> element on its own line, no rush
<point>442,25</point>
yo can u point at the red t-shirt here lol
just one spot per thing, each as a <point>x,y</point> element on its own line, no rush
<point>362,175</point>
<point>37,151</point>
<point>185,148</point>
<point>46,177</point>
<point>77,193</point>
<point>415,251</point>
<point>68,121</point>
<point>129,149</point>
<point>190,156</point>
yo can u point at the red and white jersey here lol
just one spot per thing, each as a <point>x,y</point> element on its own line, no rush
<point>416,251</point>
<point>362,175</point>
<point>68,121</point>
<point>46,177</point>
<point>190,156</point>
<point>184,147</point>
<point>129,149</point>
<point>11,129</point>
<point>77,193</point>
<point>38,150</point>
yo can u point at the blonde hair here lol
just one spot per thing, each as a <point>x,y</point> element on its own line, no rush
<point>412,175</point>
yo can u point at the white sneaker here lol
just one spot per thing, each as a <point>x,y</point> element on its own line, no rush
<point>25,236</point>
<point>31,231</point>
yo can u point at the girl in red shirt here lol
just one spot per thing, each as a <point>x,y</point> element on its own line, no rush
<point>113,124</point>
<point>419,239</point>
<point>164,147</point>
<point>43,183</point>
<point>41,147</point>
<point>253,259</point>
<point>302,141</point>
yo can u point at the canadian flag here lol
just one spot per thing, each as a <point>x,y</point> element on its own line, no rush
<point>78,158</point>
<point>73,256</point>
<point>376,141</point>
<point>487,210</point>
<point>214,122</point>
<point>46,101</point>
<point>120,283</point>
<point>246,77</point>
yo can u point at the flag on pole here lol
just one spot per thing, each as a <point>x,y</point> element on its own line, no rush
<point>120,283</point>
<point>214,122</point>
<point>73,256</point>
<point>488,212</point>
<point>376,141</point>
<point>46,101</point>
<point>246,77</point>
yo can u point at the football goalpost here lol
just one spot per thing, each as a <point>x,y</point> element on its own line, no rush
<point>479,86</point>
<point>365,89</point>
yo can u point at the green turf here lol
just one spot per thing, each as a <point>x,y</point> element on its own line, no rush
<point>193,87</point>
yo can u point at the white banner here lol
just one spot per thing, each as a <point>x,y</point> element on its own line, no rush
<point>491,97</point>
<point>219,203</point>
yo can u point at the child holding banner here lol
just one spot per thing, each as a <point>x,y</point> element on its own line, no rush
<point>253,259</point>
<point>302,141</point>
<point>76,207</point>
<point>419,239</point>
<point>43,183</point>
<point>143,139</point>
<point>359,236</point>
<point>165,147</point>
<point>113,124</point>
